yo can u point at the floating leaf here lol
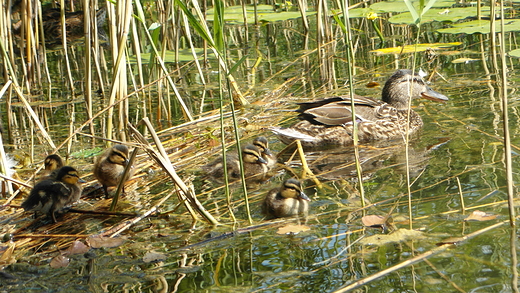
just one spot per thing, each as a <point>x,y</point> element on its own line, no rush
<point>480,216</point>
<point>481,27</point>
<point>77,247</point>
<point>395,237</point>
<point>451,14</point>
<point>60,261</point>
<point>97,241</point>
<point>373,221</point>
<point>515,53</point>
<point>415,48</point>
<point>265,13</point>
<point>400,6</point>
<point>292,229</point>
<point>153,256</point>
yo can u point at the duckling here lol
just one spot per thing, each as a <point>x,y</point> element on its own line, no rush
<point>263,145</point>
<point>110,166</point>
<point>329,121</point>
<point>53,194</point>
<point>254,165</point>
<point>51,163</point>
<point>286,201</point>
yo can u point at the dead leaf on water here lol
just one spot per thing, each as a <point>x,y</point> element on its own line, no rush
<point>395,237</point>
<point>480,216</point>
<point>373,221</point>
<point>77,247</point>
<point>292,229</point>
<point>97,241</point>
<point>153,256</point>
<point>60,261</point>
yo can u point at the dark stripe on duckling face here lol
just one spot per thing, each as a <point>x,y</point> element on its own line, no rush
<point>251,155</point>
<point>119,157</point>
<point>262,143</point>
<point>293,189</point>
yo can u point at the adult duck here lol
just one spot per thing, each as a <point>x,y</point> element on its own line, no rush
<point>329,122</point>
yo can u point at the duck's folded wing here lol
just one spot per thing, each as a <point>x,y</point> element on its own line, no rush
<point>337,111</point>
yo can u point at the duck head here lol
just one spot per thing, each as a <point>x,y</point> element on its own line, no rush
<point>292,188</point>
<point>403,85</point>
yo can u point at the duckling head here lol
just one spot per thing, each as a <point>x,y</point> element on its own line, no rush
<point>53,162</point>
<point>252,155</point>
<point>403,85</point>
<point>119,155</point>
<point>292,188</point>
<point>67,175</point>
<point>262,144</point>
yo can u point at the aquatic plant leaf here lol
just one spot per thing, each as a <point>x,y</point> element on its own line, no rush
<point>464,60</point>
<point>451,14</point>
<point>395,237</point>
<point>98,241</point>
<point>265,13</point>
<point>59,261</point>
<point>515,53</point>
<point>480,26</point>
<point>414,48</point>
<point>153,257</point>
<point>292,229</point>
<point>480,216</point>
<point>184,55</point>
<point>400,6</point>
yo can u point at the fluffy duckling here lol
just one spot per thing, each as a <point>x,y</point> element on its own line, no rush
<point>254,164</point>
<point>263,145</point>
<point>110,166</point>
<point>286,201</point>
<point>51,163</point>
<point>53,194</point>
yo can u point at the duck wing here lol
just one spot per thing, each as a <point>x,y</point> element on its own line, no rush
<point>337,111</point>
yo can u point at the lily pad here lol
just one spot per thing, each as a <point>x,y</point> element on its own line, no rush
<point>184,55</point>
<point>480,26</point>
<point>265,13</point>
<point>415,48</point>
<point>451,14</point>
<point>515,53</point>
<point>400,6</point>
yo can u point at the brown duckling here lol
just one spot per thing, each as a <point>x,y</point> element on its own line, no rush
<point>51,195</point>
<point>329,122</point>
<point>254,164</point>
<point>263,145</point>
<point>110,166</point>
<point>51,163</point>
<point>286,201</point>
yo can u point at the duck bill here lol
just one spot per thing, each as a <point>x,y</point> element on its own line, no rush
<point>434,96</point>
<point>304,196</point>
<point>261,160</point>
<point>267,152</point>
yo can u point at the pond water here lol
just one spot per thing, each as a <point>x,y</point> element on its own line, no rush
<point>458,154</point>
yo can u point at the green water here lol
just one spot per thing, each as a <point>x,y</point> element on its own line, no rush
<point>460,140</point>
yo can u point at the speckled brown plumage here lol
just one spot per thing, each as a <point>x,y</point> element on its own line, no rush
<point>329,121</point>
<point>263,145</point>
<point>255,167</point>
<point>286,201</point>
<point>110,166</point>
<point>51,195</point>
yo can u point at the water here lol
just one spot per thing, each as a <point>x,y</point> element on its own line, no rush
<point>461,140</point>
